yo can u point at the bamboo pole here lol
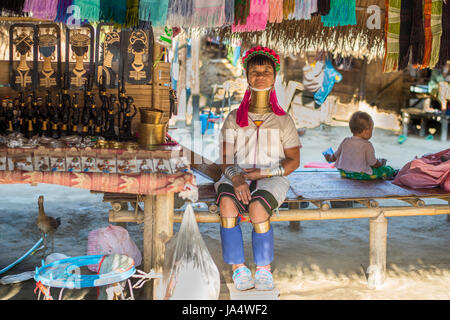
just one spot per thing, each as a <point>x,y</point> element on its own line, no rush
<point>294,225</point>
<point>377,251</point>
<point>148,241</point>
<point>162,232</point>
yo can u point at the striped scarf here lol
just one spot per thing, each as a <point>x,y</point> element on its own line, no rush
<point>392,35</point>
<point>154,11</point>
<point>304,9</point>
<point>208,14</point>
<point>257,18</point>
<point>444,52</point>
<point>428,33</point>
<point>436,31</point>
<point>275,11</point>
<point>342,13</point>
<point>241,11</point>
<point>41,9</point>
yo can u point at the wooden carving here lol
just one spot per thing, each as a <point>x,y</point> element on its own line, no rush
<point>139,56</point>
<point>49,43</point>
<point>108,55</point>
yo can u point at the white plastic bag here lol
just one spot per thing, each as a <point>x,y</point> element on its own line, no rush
<point>110,240</point>
<point>189,272</point>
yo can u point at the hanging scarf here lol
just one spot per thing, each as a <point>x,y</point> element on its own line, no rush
<point>304,9</point>
<point>207,14</point>
<point>113,11</point>
<point>229,12</point>
<point>342,13</point>
<point>61,12</point>
<point>15,6</point>
<point>154,11</point>
<point>417,34</point>
<point>392,35</point>
<point>323,7</point>
<point>428,34</point>
<point>177,12</point>
<point>436,31</point>
<point>444,52</point>
<point>288,9</point>
<point>257,19</point>
<point>41,9</point>
<point>89,9</point>
<point>132,16</point>
<point>405,33</point>
<point>241,11</point>
<point>275,11</point>
<point>242,112</point>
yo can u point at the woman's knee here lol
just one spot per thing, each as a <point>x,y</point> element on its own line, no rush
<point>257,212</point>
<point>227,207</point>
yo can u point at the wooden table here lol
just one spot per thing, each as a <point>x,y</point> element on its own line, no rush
<point>155,189</point>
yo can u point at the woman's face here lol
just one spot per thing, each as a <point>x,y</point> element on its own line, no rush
<point>261,76</point>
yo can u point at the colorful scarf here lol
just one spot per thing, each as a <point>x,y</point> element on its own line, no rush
<point>154,11</point>
<point>89,9</point>
<point>15,6</point>
<point>436,31</point>
<point>114,11</point>
<point>241,11</point>
<point>229,12</point>
<point>61,12</point>
<point>242,113</point>
<point>257,19</point>
<point>342,13</point>
<point>288,9</point>
<point>275,11</point>
<point>323,7</point>
<point>444,52</point>
<point>392,35</point>
<point>406,12</point>
<point>41,9</point>
<point>417,34</point>
<point>207,14</point>
<point>428,34</point>
<point>304,9</point>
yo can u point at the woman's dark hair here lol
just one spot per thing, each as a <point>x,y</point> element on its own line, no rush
<point>360,121</point>
<point>261,60</point>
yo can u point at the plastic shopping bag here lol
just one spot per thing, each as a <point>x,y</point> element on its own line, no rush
<point>189,272</point>
<point>110,240</point>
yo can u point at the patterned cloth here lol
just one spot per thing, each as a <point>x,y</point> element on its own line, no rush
<point>392,36</point>
<point>444,51</point>
<point>384,172</point>
<point>436,31</point>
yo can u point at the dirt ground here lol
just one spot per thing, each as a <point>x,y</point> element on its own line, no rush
<point>324,260</point>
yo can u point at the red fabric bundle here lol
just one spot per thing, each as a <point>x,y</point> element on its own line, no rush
<point>426,172</point>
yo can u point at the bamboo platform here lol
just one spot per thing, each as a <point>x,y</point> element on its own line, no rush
<point>325,190</point>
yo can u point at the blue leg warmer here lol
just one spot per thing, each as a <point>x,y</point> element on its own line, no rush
<point>232,245</point>
<point>262,247</point>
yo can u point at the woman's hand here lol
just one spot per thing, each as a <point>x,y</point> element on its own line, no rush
<point>241,189</point>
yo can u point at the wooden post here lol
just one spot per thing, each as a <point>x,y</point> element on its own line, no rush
<point>378,246</point>
<point>148,242</point>
<point>294,225</point>
<point>448,216</point>
<point>162,232</point>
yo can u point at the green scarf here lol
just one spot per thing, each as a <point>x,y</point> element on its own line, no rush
<point>436,30</point>
<point>154,11</point>
<point>113,11</point>
<point>342,13</point>
<point>392,36</point>
<point>89,9</point>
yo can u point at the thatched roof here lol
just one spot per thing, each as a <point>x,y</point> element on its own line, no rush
<point>295,36</point>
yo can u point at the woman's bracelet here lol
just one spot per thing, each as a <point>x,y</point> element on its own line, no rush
<point>230,172</point>
<point>279,171</point>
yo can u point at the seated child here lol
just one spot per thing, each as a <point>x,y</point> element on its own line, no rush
<point>355,157</point>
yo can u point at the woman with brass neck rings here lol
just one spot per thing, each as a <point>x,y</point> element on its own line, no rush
<point>259,148</point>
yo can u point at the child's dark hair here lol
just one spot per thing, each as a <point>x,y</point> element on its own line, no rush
<point>360,121</point>
<point>261,60</point>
